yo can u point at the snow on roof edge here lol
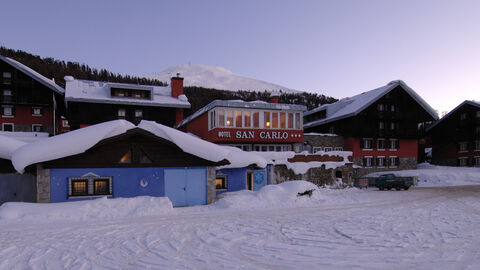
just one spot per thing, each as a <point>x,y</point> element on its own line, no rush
<point>470,102</point>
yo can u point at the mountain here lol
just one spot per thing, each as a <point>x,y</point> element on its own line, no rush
<point>217,78</point>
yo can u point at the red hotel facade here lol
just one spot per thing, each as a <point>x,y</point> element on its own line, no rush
<point>251,126</point>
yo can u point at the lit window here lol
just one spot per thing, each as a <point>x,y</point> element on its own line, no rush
<point>247,120</point>
<point>283,120</point>
<point>274,119</point>
<point>229,118</point>
<point>138,113</point>
<point>267,119</point>
<point>101,187</point>
<point>79,187</point>
<point>127,158</point>
<point>238,118</point>
<point>221,182</point>
<point>122,113</point>
<point>65,123</point>
<point>89,186</point>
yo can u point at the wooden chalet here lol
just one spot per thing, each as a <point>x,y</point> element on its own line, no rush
<point>380,126</point>
<point>455,139</point>
<point>29,102</point>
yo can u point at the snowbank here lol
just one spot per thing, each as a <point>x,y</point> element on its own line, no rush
<point>431,175</point>
<point>8,146</point>
<point>67,144</point>
<point>239,158</point>
<point>86,210</point>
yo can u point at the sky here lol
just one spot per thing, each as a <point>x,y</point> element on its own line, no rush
<point>337,48</point>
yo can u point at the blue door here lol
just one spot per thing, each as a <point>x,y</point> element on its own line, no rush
<point>258,179</point>
<point>186,187</point>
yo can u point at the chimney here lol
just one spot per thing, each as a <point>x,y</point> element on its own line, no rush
<point>177,86</point>
<point>177,89</point>
<point>274,96</point>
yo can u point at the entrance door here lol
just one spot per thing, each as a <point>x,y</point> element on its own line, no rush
<point>186,187</point>
<point>258,179</point>
<point>250,181</point>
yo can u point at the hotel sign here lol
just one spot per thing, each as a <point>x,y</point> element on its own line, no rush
<point>259,135</point>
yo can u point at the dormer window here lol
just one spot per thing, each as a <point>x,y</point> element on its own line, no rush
<point>132,93</point>
<point>121,113</point>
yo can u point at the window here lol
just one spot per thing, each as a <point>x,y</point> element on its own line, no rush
<point>89,186</point>
<point>274,119</point>
<point>380,162</point>
<point>392,108</point>
<point>463,116</point>
<point>238,118</point>
<point>212,119</point>
<point>331,130</point>
<point>317,149</point>
<point>37,128</point>
<point>126,158</point>
<point>120,93</point>
<point>462,161</point>
<point>266,119</point>
<point>221,182</point>
<point>477,145</point>
<point>7,127</point>
<point>367,143</point>
<point>462,146</point>
<point>478,114</point>
<point>392,126</point>
<point>7,92</point>
<point>381,125</point>
<point>122,113</point>
<point>7,78</point>
<point>36,111</point>
<point>380,107</point>
<point>338,148</point>
<point>290,120</point>
<point>256,119</point>
<point>338,174</point>
<point>328,149</point>
<point>393,162</point>
<point>368,162</point>
<point>271,147</point>
<point>221,118</point>
<point>247,119</point>
<point>283,120</point>
<point>65,123</point>
<point>7,111</point>
<point>393,144</point>
<point>380,144</point>
<point>229,118</point>
<point>476,161</point>
<point>477,132</point>
<point>298,123</point>
<point>139,113</point>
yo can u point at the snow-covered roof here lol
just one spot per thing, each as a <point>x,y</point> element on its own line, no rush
<point>33,74</point>
<point>99,92</point>
<point>25,136</point>
<point>67,144</point>
<point>256,104</point>
<point>470,102</point>
<point>8,145</point>
<point>351,106</point>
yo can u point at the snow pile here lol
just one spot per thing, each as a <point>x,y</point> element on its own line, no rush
<point>86,210</point>
<point>272,196</point>
<point>61,145</point>
<point>218,78</point>
<point>431,175</point>
<point>239,158</point>
<point>303,167</point>
<point>8,145</point>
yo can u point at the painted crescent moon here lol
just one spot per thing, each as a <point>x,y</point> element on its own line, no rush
<point>143,183</point>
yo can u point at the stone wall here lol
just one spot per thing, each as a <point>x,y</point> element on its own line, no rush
<point>319,176</point>
<point>43,185</point>
<point>405,163</point>
<point>324,141</point>
<point>211,190</point>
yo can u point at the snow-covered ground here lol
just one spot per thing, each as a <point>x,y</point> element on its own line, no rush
<point>422,228</point>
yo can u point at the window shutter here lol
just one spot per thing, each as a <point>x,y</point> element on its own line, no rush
<point>398,144</point>
<point>397,161</point>
<point>13,110</point>
<point>362,143</point>
<point>364,162</point>
<point>387,161</point>
<point>387,143</point>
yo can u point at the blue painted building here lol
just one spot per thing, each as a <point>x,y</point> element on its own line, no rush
<point>245,178</point>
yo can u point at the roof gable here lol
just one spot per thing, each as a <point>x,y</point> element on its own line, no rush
<point>33,74</point>
<point>352,106</point>
<point>469,102</point>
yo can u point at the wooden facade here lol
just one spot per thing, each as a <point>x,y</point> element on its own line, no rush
<point>455,139</point>
<point>26,104</point>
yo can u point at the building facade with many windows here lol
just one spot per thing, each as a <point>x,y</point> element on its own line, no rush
<point>29,102</point>
<point>380,126</point>
<point>251,126</point>
<point>455,139</point>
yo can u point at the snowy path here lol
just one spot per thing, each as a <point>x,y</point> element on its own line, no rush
<point>424,228</point>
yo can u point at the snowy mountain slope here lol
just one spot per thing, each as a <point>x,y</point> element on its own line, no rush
<point>216,77</point>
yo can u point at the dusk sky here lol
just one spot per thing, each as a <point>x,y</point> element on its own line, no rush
<point>337,48</point>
